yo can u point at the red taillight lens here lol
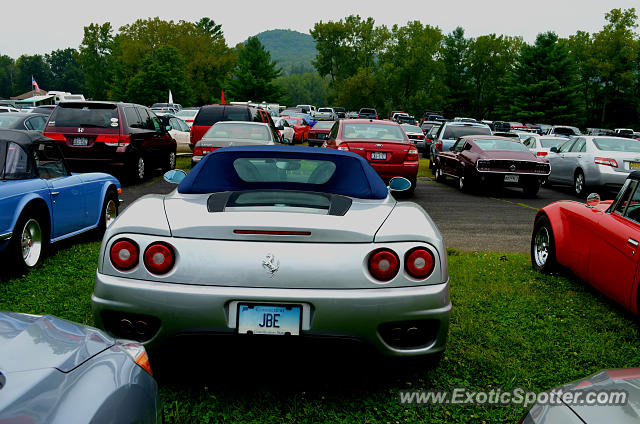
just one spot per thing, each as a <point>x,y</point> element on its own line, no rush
<point>197,151</point>
<point>606,161</point>
<point>203,150</point>
<point>55,136</point>
<point>419,263</point>
<point>439,146</point>
<point>420,137</point>
<point>343,147</point>
<point>124,254</point>
<point>383,264</point>
<point>412,154</point>
<point>159,258</point>
<point>543,153</point>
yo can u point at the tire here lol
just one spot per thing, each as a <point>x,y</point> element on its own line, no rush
<point>543,247</point>
<point>579,184</point>
<point>28,241</point>
<point>139,169</point>
<point>440,178</point>
<point>465,184</point>
<point>109,212</point>
<point>531,189</point>
<point>170,161</point>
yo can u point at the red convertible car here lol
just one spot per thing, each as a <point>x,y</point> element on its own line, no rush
<point>597,241</point>
<point>383,144</point>
<point>489,160</point>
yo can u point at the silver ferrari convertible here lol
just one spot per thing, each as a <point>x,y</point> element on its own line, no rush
<point>277,241</point>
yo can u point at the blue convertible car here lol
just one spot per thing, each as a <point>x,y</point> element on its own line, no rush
<point>42,202</point>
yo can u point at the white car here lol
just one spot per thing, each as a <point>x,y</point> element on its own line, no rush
<point>540,145</point>
<point>187,115</point>
<point>285,129</point>
<point>326,114</point>
<point>180,132</point>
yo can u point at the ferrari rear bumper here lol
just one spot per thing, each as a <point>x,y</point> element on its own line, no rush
<point>388,319</point>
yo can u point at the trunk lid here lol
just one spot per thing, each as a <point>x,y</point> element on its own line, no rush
<point>189,217</point>
<point>392,152</point>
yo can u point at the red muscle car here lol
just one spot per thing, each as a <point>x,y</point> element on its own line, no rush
<point>488,160</point>
<point>597,241</point>
<point>300,128</point>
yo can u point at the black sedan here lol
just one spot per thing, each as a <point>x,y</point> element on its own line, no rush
<point>23,121</point>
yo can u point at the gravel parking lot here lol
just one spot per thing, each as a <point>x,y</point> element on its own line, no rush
<point>498,221</point>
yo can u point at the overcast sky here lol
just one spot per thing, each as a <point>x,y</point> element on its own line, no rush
<point>40,26</point>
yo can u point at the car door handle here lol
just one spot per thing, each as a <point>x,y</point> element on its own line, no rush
<point>579,156</point>
<point>632,242</point>
<point>55,193</point>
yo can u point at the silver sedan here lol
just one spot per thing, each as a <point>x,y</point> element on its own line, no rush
<point>280,241</point>
<point>594,161</point>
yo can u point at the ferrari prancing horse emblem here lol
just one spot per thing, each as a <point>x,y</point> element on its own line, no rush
<point>271,264</point>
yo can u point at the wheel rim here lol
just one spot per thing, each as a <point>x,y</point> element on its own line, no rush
<point>172,160</point>
<point>31,242</point>
<point>438,173</point>
<point>541,246</point>
<point>140,168</point>
<point>461,183</point>
<point>110,212</point>
<point>579,183</point>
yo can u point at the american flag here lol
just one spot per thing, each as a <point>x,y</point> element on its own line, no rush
<point>34,84</point>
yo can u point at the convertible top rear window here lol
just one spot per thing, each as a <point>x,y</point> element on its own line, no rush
<point>278,168</point>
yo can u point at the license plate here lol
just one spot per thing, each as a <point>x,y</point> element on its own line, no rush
<point>634,165</point>
<point>511,178</point>
<point>269,319</point>
<point>80,141</point>
<point>379,155</point>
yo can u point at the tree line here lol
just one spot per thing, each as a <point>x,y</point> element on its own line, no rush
<point>584,79</point>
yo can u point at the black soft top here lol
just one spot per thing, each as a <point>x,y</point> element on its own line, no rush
<point>23,138</point>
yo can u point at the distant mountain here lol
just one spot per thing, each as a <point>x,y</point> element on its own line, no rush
<point>292,50</point>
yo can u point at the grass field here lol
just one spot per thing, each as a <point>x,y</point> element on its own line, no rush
<point>511,327</point>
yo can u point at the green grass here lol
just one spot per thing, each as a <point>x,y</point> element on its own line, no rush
<point>510,327</point>
<point>424,170</point>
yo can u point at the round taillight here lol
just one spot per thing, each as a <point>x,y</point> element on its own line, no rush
<point>383,264</point>
<point>159,258</point>
<point>124,254</point>
<point>419,263</point>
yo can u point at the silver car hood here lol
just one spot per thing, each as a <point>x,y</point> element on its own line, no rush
<point>31,342</point>
<point>188,217</point>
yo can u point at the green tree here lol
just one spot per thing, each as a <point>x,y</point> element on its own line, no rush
<point>159,73</point>
<point>543,86</point>
<point>95,59</point>
<point>32,66</point>
<point>306,88</point>
<point>253,75</point>
<point>66,72</point>
<point>7,76</point>
<point>454,59</point>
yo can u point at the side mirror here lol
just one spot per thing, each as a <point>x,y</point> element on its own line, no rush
<point>593,200</point>
<point>554,149</point>
<point>175,176</point>
<point>167,128</point>
<point>399,184</point>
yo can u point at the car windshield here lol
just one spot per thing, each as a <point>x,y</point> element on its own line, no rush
<point>371,111</point>
<point>85,115</point>
<point>550,141</point>
<point>457,131</point>
<point>372,131</point>
<point>617,144</point>
<point>500,144</point>
<point>324,109</point>
<point>412,128</point>
<point>427,125</point>
<point>323,125</point>
<point>238,130</point>
<point>7,120</point>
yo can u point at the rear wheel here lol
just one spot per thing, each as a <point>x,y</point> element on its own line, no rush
<point>543,248</point>
<point>170,161</point>
<point>138,170</point>
<point>439,175</point>
<point>109,211</point>
<point>28,241</point>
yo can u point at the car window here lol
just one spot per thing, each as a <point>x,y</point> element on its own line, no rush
<point>157,125</point>
<point>628,204</point>
<point>307,171</point>
<point>175,124</point>
<point>500,144</point>
<point>133,119</point>
<point>617,144</point>
<point>454,131</point>
<point>372,131</point>
<point>529,142</point>
<point>183,126</point>
<point>87,115</point>
<point>457,147</point>
<point>579,145</point>
<point>566,146</point>
<point>334,131</point>
<point>16,164</point>
<point>49,162</point>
